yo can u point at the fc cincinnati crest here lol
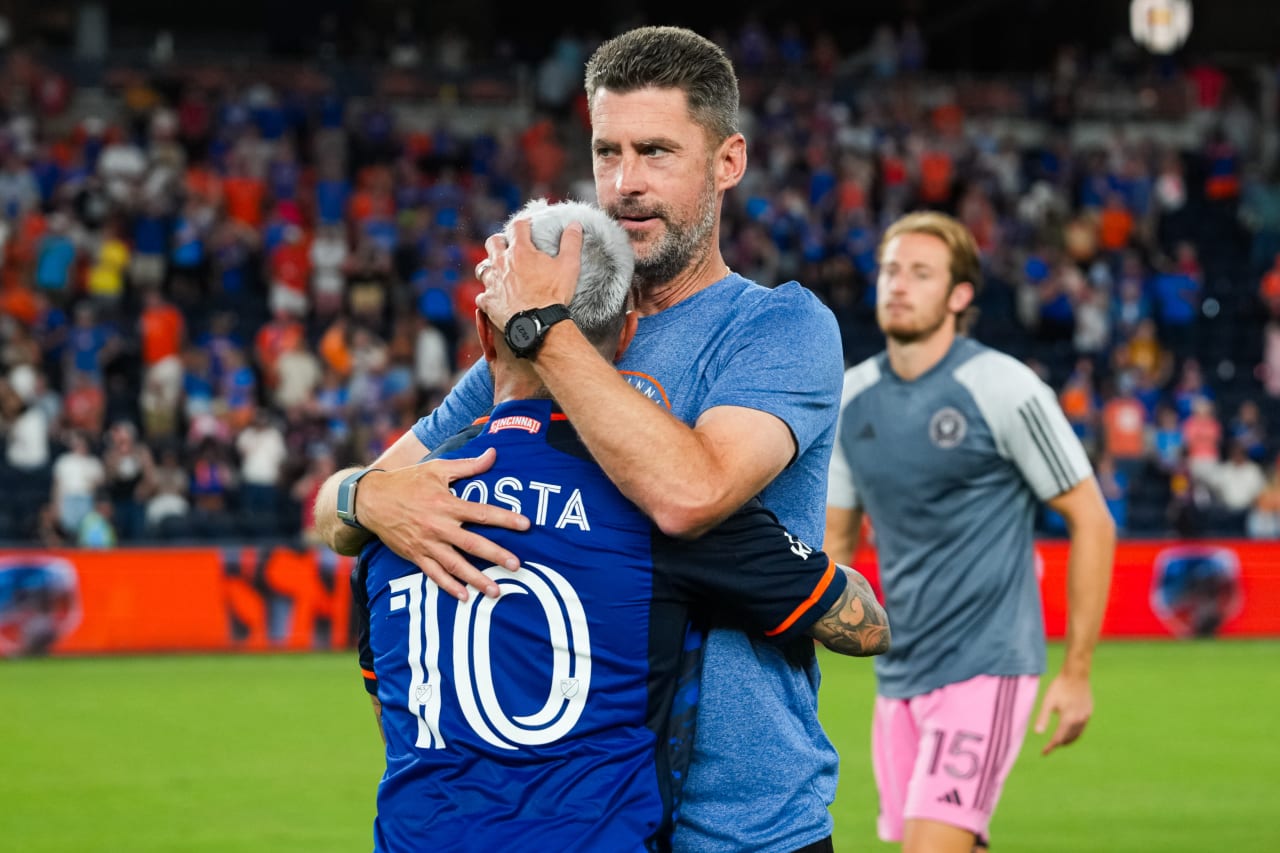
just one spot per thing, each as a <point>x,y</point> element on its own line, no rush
<point>947,428</point>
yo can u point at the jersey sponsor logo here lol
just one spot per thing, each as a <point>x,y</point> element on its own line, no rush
<point>647,386</point>
<point>529,425</point>
<point>947,428</point>
<point>799,548</point>
<point>951,797</point>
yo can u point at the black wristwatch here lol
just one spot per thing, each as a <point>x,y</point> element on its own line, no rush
<point>347,497</point>
<point>525,330</point>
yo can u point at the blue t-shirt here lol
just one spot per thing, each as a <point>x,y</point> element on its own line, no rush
<point>557,717</point>
<point>779,351</point>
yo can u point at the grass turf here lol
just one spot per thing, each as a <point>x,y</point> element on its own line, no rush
<point>280,753</point>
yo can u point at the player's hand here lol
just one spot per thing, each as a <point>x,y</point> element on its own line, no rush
<point>412,511</point>
<point>518,276</point>
<point>1071,698</point>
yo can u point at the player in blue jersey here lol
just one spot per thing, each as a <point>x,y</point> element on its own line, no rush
<point>550,717</point>
<point>948,447</point>
<point>752,375</point>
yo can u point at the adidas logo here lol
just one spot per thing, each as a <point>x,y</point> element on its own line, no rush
<point>868,431</point>
<point>952,797</point>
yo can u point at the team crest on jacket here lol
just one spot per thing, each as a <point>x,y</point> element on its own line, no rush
<point>947,428</point>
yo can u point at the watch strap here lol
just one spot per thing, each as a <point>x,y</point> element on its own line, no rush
<point>347,497</point>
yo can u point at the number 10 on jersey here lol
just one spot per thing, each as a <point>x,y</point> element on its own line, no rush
<point>476,692</point>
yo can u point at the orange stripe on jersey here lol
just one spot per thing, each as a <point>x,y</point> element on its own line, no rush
<point>827,577</point>
<point>369,674</point>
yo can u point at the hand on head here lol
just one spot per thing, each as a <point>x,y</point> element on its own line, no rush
<point>518,276</point>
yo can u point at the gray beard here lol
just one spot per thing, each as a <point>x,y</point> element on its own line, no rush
<point>678,248</point>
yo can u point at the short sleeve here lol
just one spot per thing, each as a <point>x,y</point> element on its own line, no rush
<point>841,491</point>
<point>786,359</point>
<point>1027,423</point>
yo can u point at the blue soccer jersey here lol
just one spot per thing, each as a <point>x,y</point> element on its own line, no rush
<point>560,715</point>
<point>776,350</point>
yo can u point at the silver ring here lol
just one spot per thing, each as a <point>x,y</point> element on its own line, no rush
<point>483,267</point>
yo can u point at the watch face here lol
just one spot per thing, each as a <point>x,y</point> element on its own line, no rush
<point>522,332</point>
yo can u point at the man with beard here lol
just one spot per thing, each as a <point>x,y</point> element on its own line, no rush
<point>728,391</point>
<point>948,446</point>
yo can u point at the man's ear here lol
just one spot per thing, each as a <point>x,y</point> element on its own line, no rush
<point>960,297</point>
<point>487,334</point>
<point>628,333</point>
<point>731,162</point>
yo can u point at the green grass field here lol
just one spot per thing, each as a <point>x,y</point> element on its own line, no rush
<point>280,753</point>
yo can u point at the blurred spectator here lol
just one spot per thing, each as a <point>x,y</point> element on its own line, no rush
<point>298,371</point>
<point>262,457</point>
<point>431,357</point>
<point>84,404</point>
<point>213,479</point>
<point>1236,483</point>
<point>106,278</point>
<point>328,259</point>
<point>1263,519</point>
<point>1079,401</point>
<point>1247,429</point>
<point>164,490</point>
<point>1260,215</point>
<point>1130,305</point>
<point>97,529</point>
<point>1191,386</point>
<point>77,476</point>
<point>1145,354</point>
<point>28,423</point>
<point>1177,291</point>
<point>127,463</point>
<point>1202,437</point>
<point>320,466</point>
<point>163,333</point>
<point>1124,429</point>
<point>55,261</point>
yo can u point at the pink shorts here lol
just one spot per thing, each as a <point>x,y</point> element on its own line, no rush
<point>944,755</point>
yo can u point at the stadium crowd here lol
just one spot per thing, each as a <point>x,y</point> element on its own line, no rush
<point>223,285</point>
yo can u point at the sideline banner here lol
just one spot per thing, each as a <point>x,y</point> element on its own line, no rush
<point>277,598</point>
<point>163,600</point>
<point>1167,588</point>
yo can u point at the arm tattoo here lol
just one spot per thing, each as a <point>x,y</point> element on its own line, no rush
<point>856,624</point>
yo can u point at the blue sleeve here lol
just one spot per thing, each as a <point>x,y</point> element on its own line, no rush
<point>786,359</point>
<point>470,397</point>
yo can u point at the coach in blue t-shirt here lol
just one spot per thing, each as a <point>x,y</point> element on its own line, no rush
<point>558,716</point>
<point>752,376</point>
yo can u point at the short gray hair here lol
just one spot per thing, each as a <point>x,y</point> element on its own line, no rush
<point>600,302</point>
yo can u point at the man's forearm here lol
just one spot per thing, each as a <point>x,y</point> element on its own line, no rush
<point>856,624</point>
<point>1089,568</point>
<point>342,538</point>
<point>670,470</point>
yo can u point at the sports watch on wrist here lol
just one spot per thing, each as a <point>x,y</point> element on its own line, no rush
<point>526,329</point>
<point>347,497</point>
